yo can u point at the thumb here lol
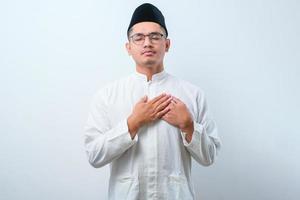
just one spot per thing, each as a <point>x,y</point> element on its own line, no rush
<point>144,98</point>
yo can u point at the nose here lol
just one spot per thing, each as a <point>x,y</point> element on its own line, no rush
<point>147,41</point>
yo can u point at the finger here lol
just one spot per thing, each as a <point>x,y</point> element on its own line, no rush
<point>172,105</point>
<point>161,104</point>
<point>161,100</point>
<point>166,117</point>
<point>158,98</point>
<point>175,99</point>
<point>144,98</point>
<point>163,112</point>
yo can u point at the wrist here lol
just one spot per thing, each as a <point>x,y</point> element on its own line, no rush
<point>133,125</point>
<point>188,127</point>
<point>188,132</point>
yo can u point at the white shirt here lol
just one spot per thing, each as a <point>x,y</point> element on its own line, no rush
<point>156,164</point>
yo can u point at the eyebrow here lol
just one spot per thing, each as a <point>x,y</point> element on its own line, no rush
<point>146,34</point>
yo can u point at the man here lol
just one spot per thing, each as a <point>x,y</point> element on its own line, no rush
<point>148,125</point>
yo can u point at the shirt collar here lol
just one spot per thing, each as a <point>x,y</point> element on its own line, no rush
<point>155,77</point>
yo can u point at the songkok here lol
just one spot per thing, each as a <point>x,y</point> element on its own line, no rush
<point>147,13</point>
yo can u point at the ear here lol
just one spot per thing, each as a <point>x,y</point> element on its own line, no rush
<point>168,44</point>
<point>128,48</point>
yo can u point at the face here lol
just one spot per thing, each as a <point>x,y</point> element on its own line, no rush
<point>149,53</point>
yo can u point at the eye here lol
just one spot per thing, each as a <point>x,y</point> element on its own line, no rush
<point>138,37</point>
<point>155,36</point>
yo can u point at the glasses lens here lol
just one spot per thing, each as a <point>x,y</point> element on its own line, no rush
<point>139,39</point>
<point>155,36</point>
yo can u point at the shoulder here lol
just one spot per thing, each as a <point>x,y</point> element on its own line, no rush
<point>186,85</point>
<point>112,87</point>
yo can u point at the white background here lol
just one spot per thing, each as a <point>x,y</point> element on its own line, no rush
<point>55,54</point>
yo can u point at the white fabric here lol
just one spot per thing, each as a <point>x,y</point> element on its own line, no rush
<point>156,164</point>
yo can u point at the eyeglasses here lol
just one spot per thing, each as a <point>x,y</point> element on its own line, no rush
<point>154,38</point>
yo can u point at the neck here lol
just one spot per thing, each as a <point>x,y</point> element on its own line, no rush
<point>149,71</point>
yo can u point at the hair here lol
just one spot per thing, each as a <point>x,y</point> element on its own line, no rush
<point>131,29</point>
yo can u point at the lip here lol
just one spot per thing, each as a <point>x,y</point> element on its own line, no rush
<point>148,53</point>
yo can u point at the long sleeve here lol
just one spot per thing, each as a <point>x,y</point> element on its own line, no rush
<point>205,142</point>
<point>103,142</point>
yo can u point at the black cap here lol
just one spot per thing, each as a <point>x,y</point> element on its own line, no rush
<point>147,13</point>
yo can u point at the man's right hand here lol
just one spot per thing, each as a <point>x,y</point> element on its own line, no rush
<point>146,111</point>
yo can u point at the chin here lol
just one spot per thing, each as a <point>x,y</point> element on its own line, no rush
<point>150,64</point>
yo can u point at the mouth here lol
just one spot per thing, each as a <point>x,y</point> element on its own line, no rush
<point>148,53</point>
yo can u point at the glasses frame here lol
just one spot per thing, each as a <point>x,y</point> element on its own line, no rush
<point>149,35</point>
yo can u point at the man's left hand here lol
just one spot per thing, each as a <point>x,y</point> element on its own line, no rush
<point>179,116</point>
